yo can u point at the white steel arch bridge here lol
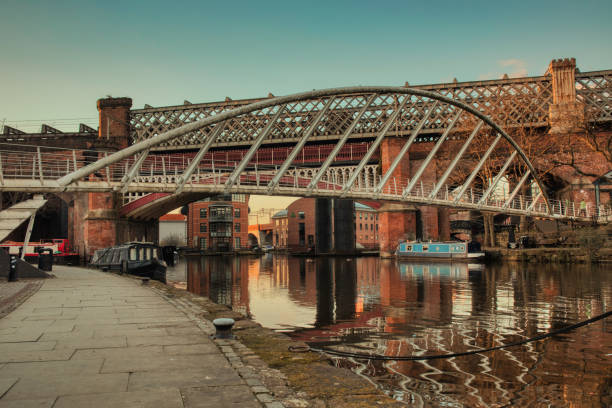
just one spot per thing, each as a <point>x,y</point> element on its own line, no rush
<point>472,157</point>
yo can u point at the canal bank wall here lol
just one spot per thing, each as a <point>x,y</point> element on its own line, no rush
<point>548,255</point>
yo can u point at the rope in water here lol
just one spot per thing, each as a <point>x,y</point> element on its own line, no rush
<point>441,356</point>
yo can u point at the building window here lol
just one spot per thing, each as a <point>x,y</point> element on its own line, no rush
<point>366,227</point>
<point>237,227</point>
<point>202,243</point>
<point>376,227</point>
<point>360,226</point>
<point>237,242</point>
<point>236,212</point>
<point>202,212</point>
<point>360,216</point>
<point>301,215</point>
<point>301,233</point>
<point>203,227</point>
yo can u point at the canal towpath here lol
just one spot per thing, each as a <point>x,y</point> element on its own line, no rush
<point>89,338</point>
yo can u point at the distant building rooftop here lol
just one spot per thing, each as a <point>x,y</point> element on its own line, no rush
<point>363,207</point>
<point>280,214</point>
<point>173,217</point>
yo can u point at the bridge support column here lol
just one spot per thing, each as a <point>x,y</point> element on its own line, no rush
<point>100,222</point>
<point>323,225</point>
<point>566,114</point>
<point>444,224</point>
<point>114,125</point>
<point>344,226</point>
<point>97,213</point>
<point>396,221</point>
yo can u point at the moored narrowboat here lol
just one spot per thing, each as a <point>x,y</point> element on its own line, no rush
<point>136,258</point>
<point>450,250</point>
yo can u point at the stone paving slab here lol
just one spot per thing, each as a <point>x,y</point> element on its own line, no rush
<point>93,339</point>
<point>71,368</point>
<point>40,387</point>
<point>196,377</point>
<point>30,403</point>
<point>6,384</point>
<point>29,356</point>
<point>239,396</point>
<point>170,398</point>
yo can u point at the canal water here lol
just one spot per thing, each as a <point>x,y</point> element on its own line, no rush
<point>385,307</point>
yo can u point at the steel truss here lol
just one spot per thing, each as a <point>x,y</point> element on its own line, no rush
<point>351,112</point>
<point>509,102</point>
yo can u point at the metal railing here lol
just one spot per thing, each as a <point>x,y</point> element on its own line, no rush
<point>39,169</point>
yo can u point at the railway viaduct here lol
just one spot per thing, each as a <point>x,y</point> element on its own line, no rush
<point>563,106</point>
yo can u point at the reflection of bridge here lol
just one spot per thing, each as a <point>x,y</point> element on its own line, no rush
<point>440,145</point>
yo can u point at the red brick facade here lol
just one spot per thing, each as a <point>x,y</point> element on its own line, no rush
<point>280,230</point>
<point>299,212</point>
<point>219,225</point>
<point>286,226</point>
<point>396,220</point>
<point>366,226</point>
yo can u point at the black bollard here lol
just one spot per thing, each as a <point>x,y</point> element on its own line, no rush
<point>224,328</point>
<point>12,276</point>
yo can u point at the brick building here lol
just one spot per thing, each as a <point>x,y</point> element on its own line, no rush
<point>295,227</point>
<point>219,223</point>
<point>279,229</point>
<point>366,226</point>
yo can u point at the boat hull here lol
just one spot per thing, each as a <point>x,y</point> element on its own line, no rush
<point>135,259</point>
<point>439,251</point>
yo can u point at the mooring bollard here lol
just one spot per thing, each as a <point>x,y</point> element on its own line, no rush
<point>12,276</point>
<point>224,328</point>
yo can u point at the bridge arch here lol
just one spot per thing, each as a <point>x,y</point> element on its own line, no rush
<point>352,110</point>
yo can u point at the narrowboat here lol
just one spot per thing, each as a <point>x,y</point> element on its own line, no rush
<point>60,248</point>
<point>136,258</point>
<point>451,250</point>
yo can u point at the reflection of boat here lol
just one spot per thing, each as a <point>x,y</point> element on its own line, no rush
<point>452,250</point>
<point>136,258</point>
<point>455,270</point>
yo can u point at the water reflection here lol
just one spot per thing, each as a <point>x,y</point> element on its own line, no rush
<point>401,309</point>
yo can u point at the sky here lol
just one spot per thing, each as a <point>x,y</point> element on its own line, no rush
<point>58,57</point>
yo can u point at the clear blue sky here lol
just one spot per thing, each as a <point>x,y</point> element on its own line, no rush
<point>58,57</point>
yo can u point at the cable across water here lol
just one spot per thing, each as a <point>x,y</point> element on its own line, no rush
<point>451,355</point>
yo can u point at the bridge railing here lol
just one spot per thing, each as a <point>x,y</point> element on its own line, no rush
<point>48,164</point>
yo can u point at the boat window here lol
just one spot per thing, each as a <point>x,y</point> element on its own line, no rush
<point>132,254</point>
<point>116,257</point>
<point>425,248</point>
<point>149,254</point>
<point>141,253</point>
<point>409,248</point>
<point>155,253</point>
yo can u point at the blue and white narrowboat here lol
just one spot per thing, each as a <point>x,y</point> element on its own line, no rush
<point>452,250</point>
